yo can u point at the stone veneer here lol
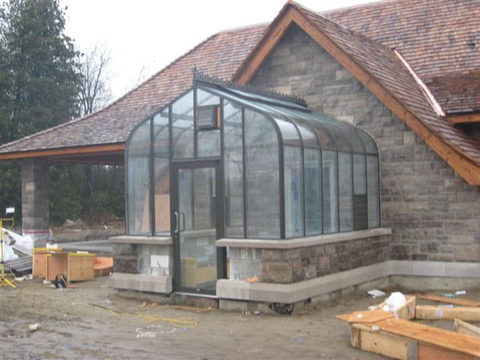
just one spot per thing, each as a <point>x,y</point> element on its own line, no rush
<point>433,213</point>
<point>35,198</point>
<point>286,266</point>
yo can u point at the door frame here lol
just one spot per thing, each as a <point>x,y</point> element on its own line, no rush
<point>219,221</point>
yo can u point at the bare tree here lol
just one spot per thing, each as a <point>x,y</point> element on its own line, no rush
<point>95,91</point>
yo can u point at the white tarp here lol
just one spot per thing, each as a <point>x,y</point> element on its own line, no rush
<point>22,244</point>
<point>8,253</point>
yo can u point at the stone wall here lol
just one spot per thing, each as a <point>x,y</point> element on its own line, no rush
<point>286,266</point>
<point>433,213</point>
<point>35,198</point>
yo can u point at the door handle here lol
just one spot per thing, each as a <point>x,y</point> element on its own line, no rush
<point>183,224</point>
<point>177,223</point>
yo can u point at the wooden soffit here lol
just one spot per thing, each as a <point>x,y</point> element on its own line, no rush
<point>75,154</point>
<point>290,14</point>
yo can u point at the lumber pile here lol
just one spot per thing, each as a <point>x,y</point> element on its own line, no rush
<point>395,335</point>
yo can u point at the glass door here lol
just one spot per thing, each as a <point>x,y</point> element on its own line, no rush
<point>196,225</point>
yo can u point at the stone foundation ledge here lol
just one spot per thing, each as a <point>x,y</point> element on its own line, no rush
<point>302,241</point>
<point>291,293</point>
<point>142,282</point>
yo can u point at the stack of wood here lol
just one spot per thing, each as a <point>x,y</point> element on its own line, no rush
<point>395,335</point>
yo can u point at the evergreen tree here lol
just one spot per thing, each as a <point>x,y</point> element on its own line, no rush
<point>42,67</point>
<point>39,79</point>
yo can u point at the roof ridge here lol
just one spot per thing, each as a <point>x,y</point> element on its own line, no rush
<point>4,146</point>
<point>213,80</point>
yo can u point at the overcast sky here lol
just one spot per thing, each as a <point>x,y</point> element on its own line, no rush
<point>144,36</point>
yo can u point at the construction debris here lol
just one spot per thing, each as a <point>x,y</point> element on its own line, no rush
<point>391,333</point>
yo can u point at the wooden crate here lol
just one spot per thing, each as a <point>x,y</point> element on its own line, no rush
<point>80,267</point>
<point>76,266</point>
<point>40,261</point>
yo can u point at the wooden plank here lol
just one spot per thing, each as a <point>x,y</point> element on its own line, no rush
<point>465,328</point>
<point>453,301</point>
<point>427,312</point>
<point>366,317</point>
<point>80,267</point>
<point>427,351</point>
<point>57,264</point>
<point>378,343</point>
<point>433,336</point>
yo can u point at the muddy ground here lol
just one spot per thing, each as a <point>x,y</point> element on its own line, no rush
<point>93,321</point>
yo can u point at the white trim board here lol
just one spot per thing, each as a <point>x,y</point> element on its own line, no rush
<point>291,293</point>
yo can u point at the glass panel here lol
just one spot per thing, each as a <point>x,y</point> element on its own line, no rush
<point>161,173</point>
<point>340,135</point>
<point>357,144</point>
<point>198,257</point>
<point>293,192</point>
<point>313,197</point>
<point>138,181</point>
<point>289,132</point>
<point>370,146</point>
<point>183,127</point>
<point>308,136</point>
<point>209,143</point>
<point>205,98</point>
<point>233,157</point>
<point>262,172</point>
<point>324,137</point>
<point>359,178</point>
<point>330,206</point>
<point>208,140</point>
<point>373,196</point>
<point>345,191</point>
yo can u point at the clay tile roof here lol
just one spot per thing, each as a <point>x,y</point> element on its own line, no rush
<point>439,38</point>
<point>220,55</point>
<point>386,67</point>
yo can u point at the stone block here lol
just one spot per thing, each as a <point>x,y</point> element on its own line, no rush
<point>126,264</point>
<point>277,273</point>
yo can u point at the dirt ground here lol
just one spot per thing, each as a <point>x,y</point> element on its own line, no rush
<point>93,321</point>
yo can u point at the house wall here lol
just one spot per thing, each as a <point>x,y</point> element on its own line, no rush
<point>433,213</point>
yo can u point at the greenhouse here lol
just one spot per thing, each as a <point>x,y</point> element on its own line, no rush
<point>230,162</point>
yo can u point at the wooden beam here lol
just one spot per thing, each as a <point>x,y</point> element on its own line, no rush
<point>264,48</point>
<point>463,327</point>
<point>453,301</point>
<point>96,149</point>
<point>464,119</point>
<point>466,167</point>
<point>426,312</point>
<point>401,339</point>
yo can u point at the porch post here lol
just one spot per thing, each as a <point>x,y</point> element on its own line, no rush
<point>35,200</point>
